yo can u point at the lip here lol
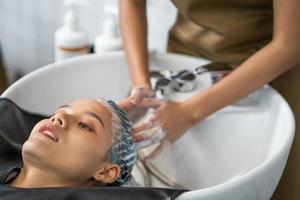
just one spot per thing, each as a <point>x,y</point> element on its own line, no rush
<point>50,132</point>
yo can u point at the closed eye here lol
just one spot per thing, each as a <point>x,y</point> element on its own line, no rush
<point>85,126</point>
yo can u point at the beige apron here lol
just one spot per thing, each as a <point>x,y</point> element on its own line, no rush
<point>231,31</point>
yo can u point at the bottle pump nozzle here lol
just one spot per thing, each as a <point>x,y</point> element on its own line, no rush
<point>71,18</point>
<point>70,40</point>
<point>110,26</point>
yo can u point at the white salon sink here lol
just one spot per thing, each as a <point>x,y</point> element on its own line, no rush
<point>238,153</point>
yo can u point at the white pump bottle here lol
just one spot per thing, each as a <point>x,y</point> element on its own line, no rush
<point>110,39</point>
<point>70,40</point>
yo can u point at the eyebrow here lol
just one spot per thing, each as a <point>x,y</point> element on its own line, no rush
<point>92,114</point>
<point>95,116</point>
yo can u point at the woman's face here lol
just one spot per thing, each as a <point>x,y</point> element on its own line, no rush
<point>73,143</point>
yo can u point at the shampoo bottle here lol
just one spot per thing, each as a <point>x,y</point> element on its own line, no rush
<point>70,40</point>
<point>110,39</point>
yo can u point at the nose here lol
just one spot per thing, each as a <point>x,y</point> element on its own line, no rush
<point>59,119</point>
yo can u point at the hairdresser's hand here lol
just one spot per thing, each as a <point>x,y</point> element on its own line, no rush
<point>136,96</point>
<point>169,121</point>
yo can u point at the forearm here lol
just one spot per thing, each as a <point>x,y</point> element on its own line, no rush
<point>134,34</point>
<point>261,68</point>
<point>282,53</point>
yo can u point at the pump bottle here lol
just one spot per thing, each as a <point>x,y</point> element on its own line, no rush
<point>70,40</point>
<point>110,39</point>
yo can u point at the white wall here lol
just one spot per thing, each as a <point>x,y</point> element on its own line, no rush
<point>27,29</point>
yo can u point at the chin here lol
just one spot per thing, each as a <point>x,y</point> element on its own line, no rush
<point>34,150</point>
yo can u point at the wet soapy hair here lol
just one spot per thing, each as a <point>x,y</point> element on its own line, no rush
<point>122,152</point>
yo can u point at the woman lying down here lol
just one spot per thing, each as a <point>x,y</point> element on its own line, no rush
<point>84,143</point>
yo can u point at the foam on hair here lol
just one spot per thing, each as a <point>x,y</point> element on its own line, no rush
<point>123,152</point>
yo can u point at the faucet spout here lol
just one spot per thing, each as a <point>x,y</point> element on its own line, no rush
<point>217,70</point>
<point>167,81</point>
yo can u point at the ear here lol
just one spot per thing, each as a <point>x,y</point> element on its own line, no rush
<point>108,174</point>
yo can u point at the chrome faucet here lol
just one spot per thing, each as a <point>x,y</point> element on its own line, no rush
<point>167,81</point>
<point>216,70</point>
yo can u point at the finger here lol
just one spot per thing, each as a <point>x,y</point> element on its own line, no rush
<point>137,95</point>
<point>155,134</point>
<point>140,92</point>
<point>126,104</point>
<point>156,151</point>
<point>147,125</point>
<point>158,135</point>
<point>143,144</point>
<point>151,102</point>
<point>146,143</point>
<point>154,139</point>
<point>150,93</point>
<point>136,114</point>
<point>141,136</point>
<point>145,91</point>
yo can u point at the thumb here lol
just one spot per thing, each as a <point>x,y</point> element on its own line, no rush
<point>126,104</point>
<point>151,102</point>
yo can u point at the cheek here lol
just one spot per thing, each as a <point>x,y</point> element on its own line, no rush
<point>85,150</point>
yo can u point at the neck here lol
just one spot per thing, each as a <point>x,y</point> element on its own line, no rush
<point>37,178</point>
